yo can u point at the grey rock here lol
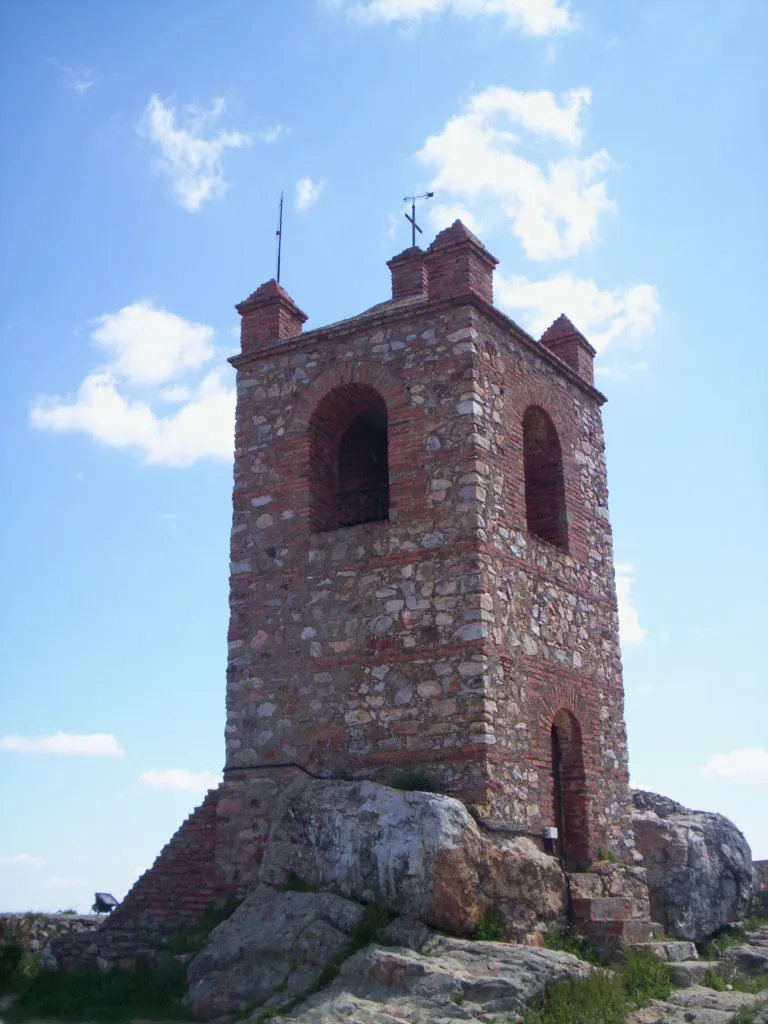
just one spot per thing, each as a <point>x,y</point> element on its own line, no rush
<point>449,980</point>
<point>699,866</point>
<point>697,1005</point>
<point>421,854</point>
<point>746,959</point>
<point>273,948</point>
<point>692,972</point>
<point>674,951</point>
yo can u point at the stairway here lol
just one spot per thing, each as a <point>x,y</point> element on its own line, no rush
<point>610,906</point>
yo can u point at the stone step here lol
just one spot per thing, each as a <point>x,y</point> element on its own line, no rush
<point>675,951</point>
<point>692,972</point>
<point>603,908</point>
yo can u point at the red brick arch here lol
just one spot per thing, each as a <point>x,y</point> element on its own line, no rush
<point>554,403</point>
<point>405,426</point>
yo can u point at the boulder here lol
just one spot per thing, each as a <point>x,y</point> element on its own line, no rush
<point>445,979</point>
<point>744,958</point>
<point>274,947</point>
<point>699,1005</point>
<point>699,866</point>
<point>420,854</point>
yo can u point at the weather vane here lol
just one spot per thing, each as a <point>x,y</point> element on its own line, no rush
<point>279,234</point>
<point>412,216</point>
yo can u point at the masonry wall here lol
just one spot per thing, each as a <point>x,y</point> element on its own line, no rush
<point>359,649</point>
<point>553,621</point>
<point>446,636</point>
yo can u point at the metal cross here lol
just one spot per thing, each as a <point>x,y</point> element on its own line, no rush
<point>412,218</point>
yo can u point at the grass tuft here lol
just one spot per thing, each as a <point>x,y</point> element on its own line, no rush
<point>149,991</point>
<point>413,780</point>
<point>644,977</point>
<point>193,938</point>
<point>597,999</point>
<point>571,942</point>
<point>490,927</point>
<point>295,883</point>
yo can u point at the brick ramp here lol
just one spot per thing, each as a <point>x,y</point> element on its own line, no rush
<point>172,894</point>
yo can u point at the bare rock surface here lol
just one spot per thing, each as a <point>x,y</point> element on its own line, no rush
<point>422,854</point>
<point>274,946</point>
<point>696,1005</point>
<point>699,866</point>
<point>446,980</point>
<point>746,958</point>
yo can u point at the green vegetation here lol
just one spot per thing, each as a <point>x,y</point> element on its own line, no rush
<point>604,997</point>
<point>295,883</point>
<point>152,992</point>
<point>714,947</point>
<point>713,979</point>
<point>571,942</point>
<point>490,927</point>
<point>413,780</point>
<point>607,856</point>
<point>193,938</point>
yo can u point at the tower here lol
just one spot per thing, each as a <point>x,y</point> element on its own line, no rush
<point>421,561</point>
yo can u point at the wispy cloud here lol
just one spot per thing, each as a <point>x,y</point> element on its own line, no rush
<point>179,779</point>
<point>149,349</point>
<point>307,192</point>
<point>78,80</point>
<point>749,764</point>
<point>24,860</point>
<point>531,17</point>
<point>604,316</point>
<point>192,156</point>
<point>99,744</point>
<point>481,162</point>
<point>277,131</point>
<point>630,630</point>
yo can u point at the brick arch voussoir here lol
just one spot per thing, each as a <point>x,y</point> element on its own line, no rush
<point>564,697</point>
<point>533,394</point>
<point>365,372</point>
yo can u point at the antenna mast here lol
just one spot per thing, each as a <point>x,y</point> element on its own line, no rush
<point>279,234</point>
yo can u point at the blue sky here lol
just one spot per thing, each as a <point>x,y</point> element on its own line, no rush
<point>612,156</point>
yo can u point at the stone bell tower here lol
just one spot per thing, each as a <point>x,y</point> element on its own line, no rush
<point>421,568</point>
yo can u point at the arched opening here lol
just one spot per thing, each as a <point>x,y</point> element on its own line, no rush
<point>569,791</point>
<point>544,482</point>
<point>349,463</point>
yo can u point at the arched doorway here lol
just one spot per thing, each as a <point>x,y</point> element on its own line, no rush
<point>569,797</point>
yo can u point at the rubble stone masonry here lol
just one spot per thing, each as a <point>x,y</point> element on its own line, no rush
<point>447,635</point>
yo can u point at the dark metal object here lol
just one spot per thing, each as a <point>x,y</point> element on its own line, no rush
<point>279,234</point>
<point>412,218</point>
<point>104,903</point>
<point>363,505</point>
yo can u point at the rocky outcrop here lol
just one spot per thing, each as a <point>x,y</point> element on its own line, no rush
<point>419,854</point>
<point>699,866</point>
<point>272,949</point>
<point>699,1005</point>
<point>450,979</point>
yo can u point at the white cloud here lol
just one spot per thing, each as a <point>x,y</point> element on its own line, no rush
<point>98,744</point>
<point>179,779</point>
<point>148,347</point>
<point>630,630</point>
<point>192,160</point>
<point>750,764</point>
<point>273,133</point>
<point>24,859</point>
<point>553,206</point>
<point>602,315</point>
<point>203,428</point>
<point>622,371</point>
<point>532,17</point>
<point>307,192</point>
<point>78,80</point>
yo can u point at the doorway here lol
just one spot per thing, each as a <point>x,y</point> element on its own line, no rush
<point>569,796</point>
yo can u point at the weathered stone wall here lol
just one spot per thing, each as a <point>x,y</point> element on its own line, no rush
<point>446,635</point>
<point>35,931</point>
<point>761,870</point>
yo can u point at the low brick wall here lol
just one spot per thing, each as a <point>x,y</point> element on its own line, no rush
<point>35,931</point>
